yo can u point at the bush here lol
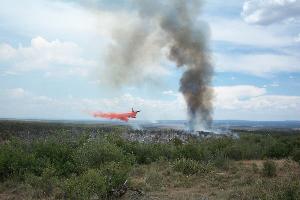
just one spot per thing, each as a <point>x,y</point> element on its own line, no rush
<point>220,160</point>
<point>90,184</point>
<point>251,146</point>
<point>254,167</point>
<point>154,180</point>
<point>218,144</point>
<point>14,161</point>
<point>234,152</point>
<point>46,183</point>
<point>269,168</point>
<point>187,166</point>
<point>279,189</point>
<point>288,191</point>
<point>116,139</point>
<point>296,155</point>
<point>147,153</point>
<point>115,174</point>
<point>277,150</point>
<point>191,151</point>
<point>176,141</point>
<point>95,153</point>
<point>54,153</point>
<point>97,183</point>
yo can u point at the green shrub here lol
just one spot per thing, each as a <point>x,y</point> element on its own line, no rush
<point>296,155</point>
<point>269,168</point>
<point>165,151</point>
<point>89,185</point>
<point>147,153</point>
<point>288,191</point>
<point>220,160</point>
<point>115,174</point>
<point>15,161</point>
<point>54,153</point>
<point>154,180</point>
<point>251,146</point>
<point>95,153</point>
<point>189,166</point>
<point>254,167</point>
<point>277,150</point>
<point>191,151</point>
<point>116,139</point>
<point>216,145</point>
<point>279,189</point>
<point>176,141</point>
<point>234,152</point>
<point>46,183</point>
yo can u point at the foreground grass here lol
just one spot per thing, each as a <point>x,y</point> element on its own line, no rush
<point>66,166</point>
<point>240,181</point>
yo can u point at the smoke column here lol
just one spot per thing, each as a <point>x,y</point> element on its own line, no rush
<point>185,37</point>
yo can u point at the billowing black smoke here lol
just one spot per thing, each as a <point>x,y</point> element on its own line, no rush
<point>184,35</point>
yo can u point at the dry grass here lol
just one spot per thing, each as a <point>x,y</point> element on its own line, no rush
<point>240,181</point>
<point>159,181</point>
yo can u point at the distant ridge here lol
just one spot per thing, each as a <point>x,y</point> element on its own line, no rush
<point>162,123</point>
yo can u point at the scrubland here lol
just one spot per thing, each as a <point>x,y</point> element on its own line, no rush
<point>63,165</point>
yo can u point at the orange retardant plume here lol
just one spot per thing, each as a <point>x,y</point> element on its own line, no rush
<point>120,116</point>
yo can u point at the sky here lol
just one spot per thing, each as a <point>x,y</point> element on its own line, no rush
<point>52,61</point>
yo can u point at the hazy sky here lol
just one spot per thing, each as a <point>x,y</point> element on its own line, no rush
<point>52,61</point>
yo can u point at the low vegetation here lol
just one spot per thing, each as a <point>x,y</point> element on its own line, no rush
<point>269,168</point>
<point>85,166</point>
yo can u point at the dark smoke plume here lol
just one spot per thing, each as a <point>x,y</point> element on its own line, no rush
<point>185,37</point>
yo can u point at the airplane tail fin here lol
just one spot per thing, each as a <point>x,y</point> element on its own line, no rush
<point>135,111</point>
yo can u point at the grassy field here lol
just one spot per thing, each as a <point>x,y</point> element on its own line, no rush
<point>102,165</point>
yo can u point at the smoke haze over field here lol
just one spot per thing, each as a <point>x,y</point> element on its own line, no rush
<point>138,46</point>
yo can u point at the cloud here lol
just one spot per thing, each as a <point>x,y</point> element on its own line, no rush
<point>16,93</point>
<point>258,50</point>
<point>265,12</point>
<point>247,102</point>
<point>92,29</point>
<point>170,93</point>
<point>233,97</point>
<point>238,32</point>
<point>50,18</point>
<point>14,103</point>
<point>231,102</point>
<point>6,52</point>
<point>297,38</point>
<point>53,57</point>
<point>251,98</point>
<point>257,64</point>
<point>274,84</point>
<point>62,19</point>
